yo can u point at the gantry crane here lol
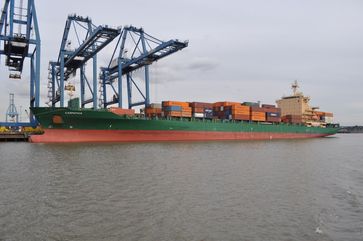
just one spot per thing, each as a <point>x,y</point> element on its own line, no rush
<point>136,50</point>
<point>71,58</point>
<point>20,39</point>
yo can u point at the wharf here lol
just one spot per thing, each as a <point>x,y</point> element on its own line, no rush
<point>13,137</point>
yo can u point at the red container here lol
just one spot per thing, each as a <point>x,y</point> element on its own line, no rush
<point>268,106</point>
<point>273,119</point>
<point>198,109</point>
<point>240,117</point>
<point>153,110</point>
<point>201,105</point>
<point>173,113</point>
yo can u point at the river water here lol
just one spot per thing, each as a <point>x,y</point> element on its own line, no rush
<point>248,190</point>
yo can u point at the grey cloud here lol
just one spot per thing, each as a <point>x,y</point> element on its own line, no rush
<point>202,64</point>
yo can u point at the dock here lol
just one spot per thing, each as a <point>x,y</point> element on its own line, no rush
<point>13,137</point>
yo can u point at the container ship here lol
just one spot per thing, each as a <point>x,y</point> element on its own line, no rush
<point>291,118</point>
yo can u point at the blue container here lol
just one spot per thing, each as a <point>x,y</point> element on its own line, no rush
<point>228,112</point>
<point>273,114</point>
<point>172,108</point>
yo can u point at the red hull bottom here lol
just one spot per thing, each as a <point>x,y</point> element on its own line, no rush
<point>73,136</point>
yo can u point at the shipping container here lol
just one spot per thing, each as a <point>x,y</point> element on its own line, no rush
<point>173,113</point>
<point>172,108</point>
<point>268,106</point>
<point>273,114</point>
<point>258,118</point>
<point>150,110</point>
<point>273,119</point>
<point>208,113</point>
<point>328,119</point>
<point>258,115</point>
<point>175,103</point>
<point>186,114</point>
<point>186,109</point>
<point>328,114</point>
<point>240,117</point>
<point>198,115</point>
<point>264,109</point>
<point>198,109</point>
<point>201,105</point>
<point>225,103</point>
<point>155,105</point>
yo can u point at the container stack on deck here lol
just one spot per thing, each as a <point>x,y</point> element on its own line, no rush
<point>202,110</point>
<point>154,110</point>
<point>176,109</point>
<point>273,114</point>
<point>326,117</point>
<point>258,113</point>
<point>230,110</point>
<point>226,110</point>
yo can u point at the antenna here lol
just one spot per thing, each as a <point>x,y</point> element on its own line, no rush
<point>294,87</point>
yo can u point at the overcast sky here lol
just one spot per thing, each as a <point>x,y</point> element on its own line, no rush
<point>238,50</point>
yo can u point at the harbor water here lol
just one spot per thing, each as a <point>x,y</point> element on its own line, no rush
<point>304,190</point>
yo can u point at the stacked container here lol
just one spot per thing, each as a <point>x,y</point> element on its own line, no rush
<point>239,112</point>
<point>202,110</point>
<point>326,117</point>
<point>258,113</point>
<point>273,114</point>
<point>223,110</point>
<point>176,109</point>
<point>153,110</point>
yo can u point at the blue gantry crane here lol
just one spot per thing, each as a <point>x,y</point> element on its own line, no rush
<point>136,50</point>
<point>20,39</point>
<point>71,58</point>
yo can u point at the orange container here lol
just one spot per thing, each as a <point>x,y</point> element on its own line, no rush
<point>153,110</point>
<point>175,103</point>
<point>258,116</point>
<point>240,117</point>
<point>186,114</point>
<point>225,103</point>
<point>198,110</point>
<point>240,112</point>
<point>241,107</point>
<point>258,113</point>
<point>120,111</point>
<point>173,113</point>
<point>186,109</point>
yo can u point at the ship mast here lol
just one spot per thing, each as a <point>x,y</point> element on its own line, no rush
<point>294,87</point>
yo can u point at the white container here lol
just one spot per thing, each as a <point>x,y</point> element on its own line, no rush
<point>198,115</point>
<point>155,105</point>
